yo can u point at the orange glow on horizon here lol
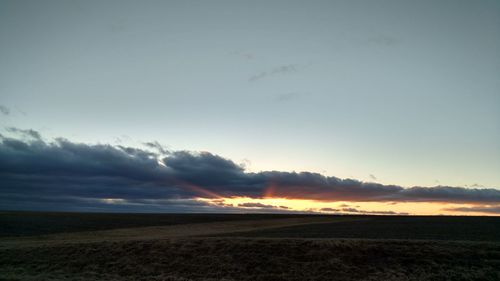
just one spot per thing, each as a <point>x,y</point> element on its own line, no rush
<point>342,207</point>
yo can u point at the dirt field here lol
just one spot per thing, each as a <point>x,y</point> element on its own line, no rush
<point>253,259</point>
<point>164,232</point>
<point>39,223</point>
<point>392,227</point>
<point>276,248</point>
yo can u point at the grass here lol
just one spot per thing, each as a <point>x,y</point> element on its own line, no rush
<point>254,259</point>
<point>253,247</point>
<point>40,223</point>
<point>392,227</point>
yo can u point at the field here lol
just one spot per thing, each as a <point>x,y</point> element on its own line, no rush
<point>247,247</point>
<point>36,223</point>
<point>393,227</point>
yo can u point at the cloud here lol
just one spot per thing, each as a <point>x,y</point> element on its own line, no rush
<point>260,205</point>
<point>4,110</point>
<point>330,210</point>
<point>28,133</point>
<point>157,146</point>
<point>245,55</point>
<point>354,210</point>
<point>495,209</point>
<point>287,97</point>
<point>318,187</point>
<point>35,172</point>
<point>362,212</point>
<point>283,69</point>
<point>372,177</point>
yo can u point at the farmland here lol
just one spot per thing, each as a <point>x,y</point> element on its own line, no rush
<point>251,247</point>
<point>393,227</point>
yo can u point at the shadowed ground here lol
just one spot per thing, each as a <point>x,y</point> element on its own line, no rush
<point>274,249</point>
<point>392,227</point>
<point>254,259</point>
<point>39,223</point>
<point>163,232</point>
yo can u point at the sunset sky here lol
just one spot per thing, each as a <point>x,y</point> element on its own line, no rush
<point>352,107</point>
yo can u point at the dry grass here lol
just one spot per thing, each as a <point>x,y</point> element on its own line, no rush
<point>185,252</point>
<point>41,223</point>
<point>480,229</point>
<point>254,259</point>
<point>163,232</point>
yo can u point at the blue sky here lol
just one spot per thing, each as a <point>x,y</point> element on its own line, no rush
<point>396,92</point>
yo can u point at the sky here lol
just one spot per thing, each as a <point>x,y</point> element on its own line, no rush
<point>318,106</point>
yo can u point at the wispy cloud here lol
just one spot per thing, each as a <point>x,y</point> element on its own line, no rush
<point>287,97</point>
<point>330,210</point>
<point>158,147</point>
<point>244,55</point>
<point>350,210</point>
<point>279,70</point>
<point>25,133</point>
<point>358,211</point>
<point>4,110</point>
<point>260,206</point>
<point>489,209</point>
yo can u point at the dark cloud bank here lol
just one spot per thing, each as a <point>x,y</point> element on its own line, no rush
<point>62,175</point>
